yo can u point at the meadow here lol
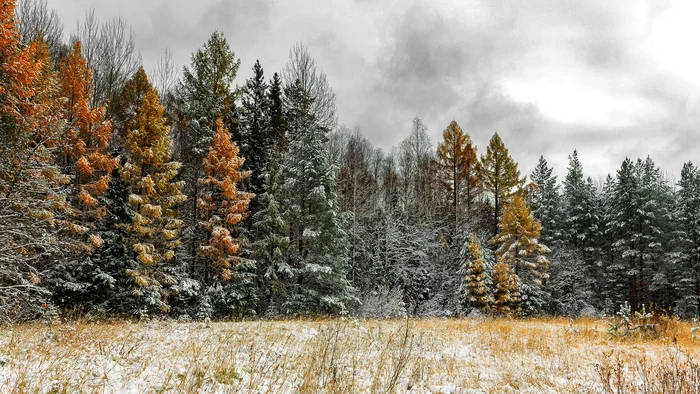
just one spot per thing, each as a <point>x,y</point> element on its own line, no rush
<point>349,355</point>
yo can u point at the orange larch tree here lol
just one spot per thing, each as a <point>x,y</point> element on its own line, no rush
<point>222,206</point>
<point>87,134</point>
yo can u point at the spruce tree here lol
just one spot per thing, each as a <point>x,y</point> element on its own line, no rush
<point>256,134</point>
<point>477,294</point>
<point>318,254</point>
<point>545,203</point>
<point>686,258</point>
<point>278,127</point>
<point>271,234</point>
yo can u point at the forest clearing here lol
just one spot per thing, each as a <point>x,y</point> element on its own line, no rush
<point>348,356</point>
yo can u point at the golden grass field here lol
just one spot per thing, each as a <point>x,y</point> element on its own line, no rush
<point>347,356</point>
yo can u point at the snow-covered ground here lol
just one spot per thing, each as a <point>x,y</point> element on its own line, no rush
<point>345,356</point>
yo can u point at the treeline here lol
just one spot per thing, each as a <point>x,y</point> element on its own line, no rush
<point>188,196</point>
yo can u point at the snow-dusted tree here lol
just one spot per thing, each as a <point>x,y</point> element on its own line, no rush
<point>545,203</point>
<point>270,233</point>
<point>222,207</point>
<point>581,222</point>
<point>518,246</point>
<point>686,257</point>
<point>205,94</point>
<point>500,176</point>
<point>506,289</point>
<point>154,231</point>
<point>32,201</point>
<point>318,254</point>
<point>476,291</point>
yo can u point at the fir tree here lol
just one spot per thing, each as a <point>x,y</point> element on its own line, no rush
<point>477,293</point>
<point>500,176</point>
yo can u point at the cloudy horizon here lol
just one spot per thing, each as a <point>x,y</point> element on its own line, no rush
<point>611,79</point>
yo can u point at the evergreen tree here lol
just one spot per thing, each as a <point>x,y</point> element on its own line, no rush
<point>518,246</point>
<point>257,138</point>
<point>318,255</point>
<point>278,127</point>
<point>545,203</point>
<point>271,244</point>
<point>477,293</point>
<point>686,258</point>
<point>154,230</point>
<point>500,176</point>
<point>205,94</point>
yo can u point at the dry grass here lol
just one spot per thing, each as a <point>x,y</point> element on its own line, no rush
<point>347,356</point>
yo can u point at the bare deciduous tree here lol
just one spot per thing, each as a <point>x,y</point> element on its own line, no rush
<point>34,21</point>
<point>302,67</point>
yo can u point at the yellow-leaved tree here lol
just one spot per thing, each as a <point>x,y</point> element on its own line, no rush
<point>154,196</point>
<point>477,294</point>
<point>222,205</point>
<point>500,176</point>
<point>519,247</point>
<point>458,169</point>
<point>506,289</point>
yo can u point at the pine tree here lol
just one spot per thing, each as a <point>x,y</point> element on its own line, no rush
<point>500,176</point>
<point>545,203</point>
<point>154,231</point>
<point>457,169</point>
<point>122,109</point>
<point>518,246</point>
<point>506,290</point>
<point>318,255</point>
<point>477,293</point>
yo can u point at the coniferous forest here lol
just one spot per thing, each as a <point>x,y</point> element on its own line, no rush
<point>189,193</point>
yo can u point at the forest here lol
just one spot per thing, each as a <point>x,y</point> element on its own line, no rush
<point>189,194</point>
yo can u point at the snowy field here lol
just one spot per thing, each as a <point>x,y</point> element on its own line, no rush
<point>346,356</point>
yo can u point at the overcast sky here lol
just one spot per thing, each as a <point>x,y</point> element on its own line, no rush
<point>611,78</point>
